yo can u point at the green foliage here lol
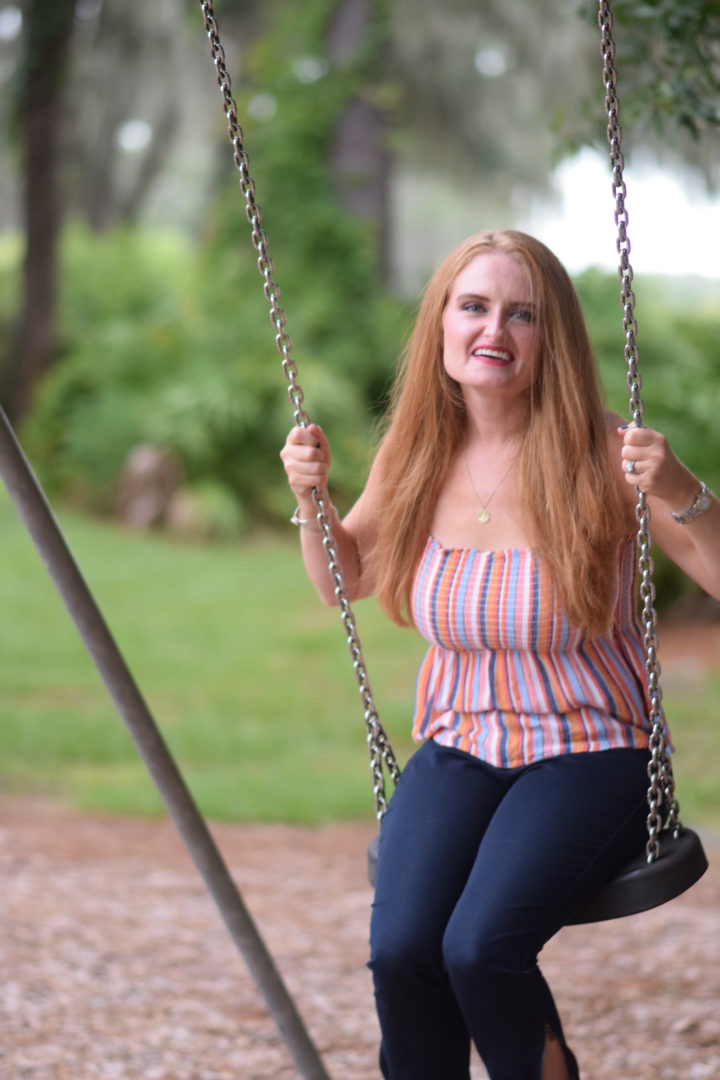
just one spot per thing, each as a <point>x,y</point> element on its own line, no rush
<point>678,359</point>
<point>670,50</point>
<point>668,84</point>
<point>170,344</point>
<point>678,330</point>
<point>123,301</point>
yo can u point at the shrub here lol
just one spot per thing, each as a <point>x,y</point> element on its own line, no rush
<point>167,344</point>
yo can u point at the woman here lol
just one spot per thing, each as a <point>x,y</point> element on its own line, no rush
<point>498,518</point>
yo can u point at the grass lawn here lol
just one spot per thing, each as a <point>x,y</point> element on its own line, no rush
<point>247,674</point>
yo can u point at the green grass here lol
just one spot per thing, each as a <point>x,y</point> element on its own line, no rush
<point>693,709</point>
<point>248,677</point>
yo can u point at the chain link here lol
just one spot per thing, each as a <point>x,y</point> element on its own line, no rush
<point>661,791</point>
<point>379,749</point>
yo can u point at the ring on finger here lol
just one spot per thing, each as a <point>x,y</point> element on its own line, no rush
<point>629,466</point>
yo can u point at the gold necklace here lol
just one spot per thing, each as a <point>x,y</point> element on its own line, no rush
<point>483,515</point>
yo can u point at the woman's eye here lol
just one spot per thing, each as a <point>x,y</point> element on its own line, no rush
<point>473,306</point>
<point>523,315</point>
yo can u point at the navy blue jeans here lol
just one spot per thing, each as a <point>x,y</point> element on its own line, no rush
<point>478,868</point>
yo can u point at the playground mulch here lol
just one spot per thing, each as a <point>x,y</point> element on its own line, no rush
<point>115,963</point>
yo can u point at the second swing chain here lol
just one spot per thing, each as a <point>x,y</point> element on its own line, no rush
<point>662,784</point>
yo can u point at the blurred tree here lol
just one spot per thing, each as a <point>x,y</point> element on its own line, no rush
<point>482,87</point>
<point>197,372</point>
<point>96,108</point>
<point>359,156</point>
<point>41,83</point>
<point>668,57</point>
<point>455,92</point>
<point>124,98</point>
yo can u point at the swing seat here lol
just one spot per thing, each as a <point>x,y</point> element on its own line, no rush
<point>638,887</point>
<point>642,885</point>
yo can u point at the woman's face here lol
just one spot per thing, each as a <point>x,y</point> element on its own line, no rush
<point>491,343</point>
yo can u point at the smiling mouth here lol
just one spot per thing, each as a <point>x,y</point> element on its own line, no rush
<point>496,356</point>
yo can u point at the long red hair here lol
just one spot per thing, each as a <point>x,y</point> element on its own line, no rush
<point>574,511</point>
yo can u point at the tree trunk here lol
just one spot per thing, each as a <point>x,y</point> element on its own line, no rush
<point>360,160</point>
<point>49,25</point>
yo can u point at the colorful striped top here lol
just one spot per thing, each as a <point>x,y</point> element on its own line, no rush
<point>506,677</point>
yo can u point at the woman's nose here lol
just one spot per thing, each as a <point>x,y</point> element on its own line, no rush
<point>495,322</point>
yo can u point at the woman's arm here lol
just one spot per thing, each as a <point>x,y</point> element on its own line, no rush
<point>671,487</point>
<point>306,457</point>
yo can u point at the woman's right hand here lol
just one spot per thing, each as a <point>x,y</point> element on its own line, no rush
<point>306,457</point>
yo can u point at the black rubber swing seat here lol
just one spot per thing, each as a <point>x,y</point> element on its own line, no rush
<point>642,885</point>
<point>638,887</point>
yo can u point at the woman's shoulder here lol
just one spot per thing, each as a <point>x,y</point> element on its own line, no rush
<point>613,422</point>
<point>362,519</point>
<point>614,435</point>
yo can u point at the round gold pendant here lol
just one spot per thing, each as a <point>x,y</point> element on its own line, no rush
<point>484,516</point>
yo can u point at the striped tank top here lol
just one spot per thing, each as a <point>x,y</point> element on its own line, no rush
<point>506,677</point>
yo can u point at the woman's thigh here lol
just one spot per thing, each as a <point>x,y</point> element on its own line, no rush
<point>429,842</point>
<point>567,825</point>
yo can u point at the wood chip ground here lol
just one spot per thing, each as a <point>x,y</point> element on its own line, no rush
<point>116,965</point>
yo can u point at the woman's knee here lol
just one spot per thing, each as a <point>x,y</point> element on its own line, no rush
<point>399,954</point>
<point>482,957</point>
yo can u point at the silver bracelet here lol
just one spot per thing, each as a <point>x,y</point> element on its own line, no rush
<point>699,505</point>
<point>307,522</point>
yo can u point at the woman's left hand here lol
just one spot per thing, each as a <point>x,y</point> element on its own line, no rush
<point>694,547</point>
<point>649,463</point>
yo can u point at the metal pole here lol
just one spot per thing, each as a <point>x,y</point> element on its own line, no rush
<point>37,515</point>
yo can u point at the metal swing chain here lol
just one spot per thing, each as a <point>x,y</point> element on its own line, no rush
<point>379,748</point>
<point>662,784</point>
